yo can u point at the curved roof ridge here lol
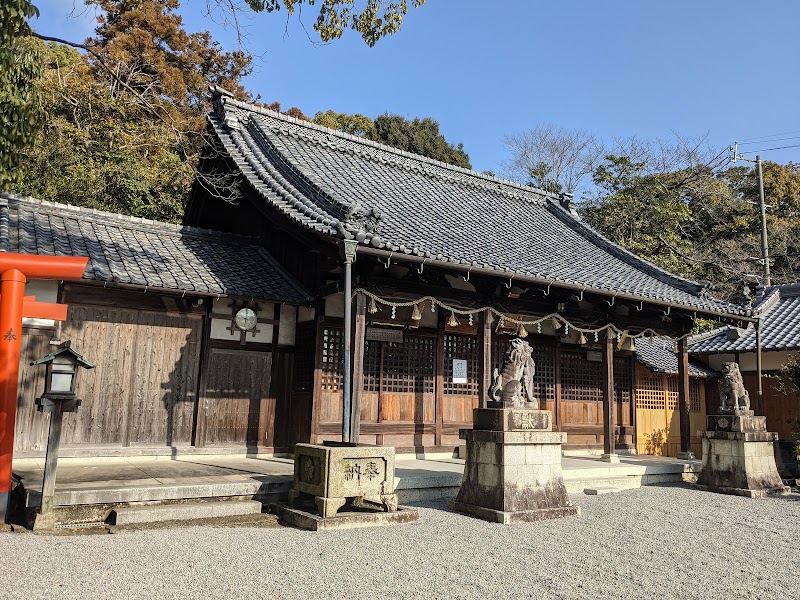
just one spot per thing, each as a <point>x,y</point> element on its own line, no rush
<point>130,222</point>
<point>227,99</point>
<point>650,268</point>
<point>771,300</point>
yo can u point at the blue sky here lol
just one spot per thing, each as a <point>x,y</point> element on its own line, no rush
<point>617,68</point>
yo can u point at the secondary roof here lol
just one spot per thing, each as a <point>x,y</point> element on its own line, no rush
<point>779,308</point>
<point>131,250</point>
<point>344,186</point>
<point>659,356</point>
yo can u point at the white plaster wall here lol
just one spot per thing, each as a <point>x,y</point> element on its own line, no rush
<point>43,291</point>
<point>220,324</point>
<point>772,361</point>
<point>305,314</point>
<point>288,325</point>
<point>334,305</point>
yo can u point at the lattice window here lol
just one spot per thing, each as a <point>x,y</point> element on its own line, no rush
<point>422,363</point>
<point>466,348</point>
<point>622,379</point>
<point>396,377</point>
<point>372,366</point>
<point>304,358</point>
<point>672,392</point>
<point>694,394</point>
<point>650,392</point>
<point>581,380</point>
<point>332,359</point>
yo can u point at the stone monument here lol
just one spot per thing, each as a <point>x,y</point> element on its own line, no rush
<point>332,476</point>
<point>513,468</point>
<point>738,451</point>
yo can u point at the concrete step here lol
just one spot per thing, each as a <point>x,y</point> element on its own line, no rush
<point>184,511</point>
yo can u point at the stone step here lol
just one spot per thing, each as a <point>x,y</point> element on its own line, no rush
<point>184,511</point>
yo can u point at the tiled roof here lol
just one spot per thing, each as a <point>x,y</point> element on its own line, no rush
<point>343,186</point>
<point>779,308</point>
<point>130,250</point>
<point>660,356</point>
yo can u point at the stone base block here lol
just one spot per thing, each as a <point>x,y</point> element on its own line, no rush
<point>517,516</point>
<point>610,458</point>
<point>760,493</point>
<point>736,463</point>
<point>301,519</point>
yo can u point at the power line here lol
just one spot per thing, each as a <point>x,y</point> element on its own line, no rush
<point>768,149</point>
<point>762,137</point>
<point>766,141</point>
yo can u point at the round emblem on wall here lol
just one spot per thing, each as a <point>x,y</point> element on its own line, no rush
<point>723,423</point>
<point>245,319</point>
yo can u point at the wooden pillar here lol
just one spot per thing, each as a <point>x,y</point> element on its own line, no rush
<point>439,382</point>
<point>316,399</point>
<point>683,400</point>
<point>359,331</point>
<point>557,385</point>
<point>51,458</point>
<point>201,410</point>
<point>609,401</point>
<point>486,360</point>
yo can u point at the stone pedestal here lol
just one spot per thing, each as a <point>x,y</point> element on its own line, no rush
<point>513,468</point>
<point>333,476</point>
<point>738,456</point>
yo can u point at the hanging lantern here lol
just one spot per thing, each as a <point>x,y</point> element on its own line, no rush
<point>373,308</point>
<point>416,314</point>
<point>452,321</point>
<point>522,332</point>
<point>582,340</point>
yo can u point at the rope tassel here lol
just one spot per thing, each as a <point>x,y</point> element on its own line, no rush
<point>416,314</point>
<point>373,308</point>
<point>452,321</point>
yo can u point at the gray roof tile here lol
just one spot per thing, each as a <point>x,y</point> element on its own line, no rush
<point>660,356</point>
<point>344,186</point>
<point>779,308</point>
<point>130,250</point>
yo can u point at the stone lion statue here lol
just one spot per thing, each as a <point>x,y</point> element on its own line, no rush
<point>513,384</point>
<point>732,395</point>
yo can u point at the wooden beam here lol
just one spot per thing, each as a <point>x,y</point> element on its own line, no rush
<point>683,400</point>
<point>486,360</point>
<point>359,342</point>
<point>609,401</point>
<point>201,406</point>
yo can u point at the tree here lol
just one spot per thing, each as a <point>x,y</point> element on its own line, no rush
<point>20,69</point>
<point>552,158</point>
<point>353,124</point>
<point>374,20</point>
<point>420,136</point>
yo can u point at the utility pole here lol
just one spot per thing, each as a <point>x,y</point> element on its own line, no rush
<point>762,207</point>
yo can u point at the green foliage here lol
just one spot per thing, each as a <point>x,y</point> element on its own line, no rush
<point>374,20</point>
<point>420,136</point>
<point>20,71</point>
<point>352,124</point>
<point>699,224</point>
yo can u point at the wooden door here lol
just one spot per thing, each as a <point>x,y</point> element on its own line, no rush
<point>239,408</point>
<point>657,416</point>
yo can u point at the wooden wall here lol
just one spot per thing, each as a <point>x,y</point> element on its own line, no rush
<point>153,357</point>
<point>781,401</point>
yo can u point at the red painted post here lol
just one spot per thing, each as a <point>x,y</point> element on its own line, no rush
<point>12,290</point>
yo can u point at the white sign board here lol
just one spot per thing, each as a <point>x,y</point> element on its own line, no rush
<point>459,370</point>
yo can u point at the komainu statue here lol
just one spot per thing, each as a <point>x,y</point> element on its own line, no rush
<point>732,395</point>
<point>513,385</point>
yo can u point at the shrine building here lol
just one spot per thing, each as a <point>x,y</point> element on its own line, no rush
<point>228,332</point>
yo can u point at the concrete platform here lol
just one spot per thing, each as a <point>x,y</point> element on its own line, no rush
<point>189,511</point>
<point>105,483</point>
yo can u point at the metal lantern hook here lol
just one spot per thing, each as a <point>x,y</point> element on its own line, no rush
<point>547,293</point>
<point>508,285</point>
<point>613,299</point>
<point>389,260</point>
<point>421,266</point>
<point>580,298</point>
<point>466,277</point>
<point>640,307</point>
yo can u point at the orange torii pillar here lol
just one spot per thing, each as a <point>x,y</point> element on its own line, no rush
<point>15,270</point>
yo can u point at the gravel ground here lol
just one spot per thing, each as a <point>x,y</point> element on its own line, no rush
<point>655,542</point>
